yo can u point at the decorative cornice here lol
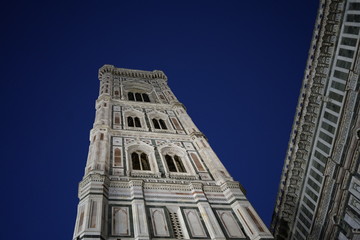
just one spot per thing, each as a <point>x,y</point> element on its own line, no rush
<point>131,73</point>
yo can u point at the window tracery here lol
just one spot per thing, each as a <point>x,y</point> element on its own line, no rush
<point>133,122</point>
<point>140,161</point>
<point>174,163</point>
<point>159,124</point>
<point>138,97</point>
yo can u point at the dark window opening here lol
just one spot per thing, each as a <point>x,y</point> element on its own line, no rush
<point>135,161</point>
<point>174,163</point>
<point>162,124</point>
<point>170,163</point>
<point>131,96</point>
<point>130,122</point>
<point>145,97</point>
<point>140,161</point>
<point>133,122</point>
<point>179,164</point>
<point>138,97</point>
<point>145,162</point>
<point>156,123</point>
<point>137,122</point>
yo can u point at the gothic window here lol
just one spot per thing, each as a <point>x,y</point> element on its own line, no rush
<point>162,124</point>
<point>137,122</point>
<point>138,97</point>
<point>140,161</point>
<point>130,121</point>
<point>174,163</point>
<point>146,97</point>
<point>131,96</point>
<point>156,123</point>
<point>159,124</point>
<point>133,122</point>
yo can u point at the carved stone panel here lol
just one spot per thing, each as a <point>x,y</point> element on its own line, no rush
<point>120,221</point>
<point>230,224</point>
<point>159,222</point>
<point>194,223</point>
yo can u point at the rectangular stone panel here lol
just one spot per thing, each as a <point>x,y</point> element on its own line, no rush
<point>159,222</point>
<point>120,221</point>
<point>230,224</point>
<point>93,214</point>
<point>194,223</point>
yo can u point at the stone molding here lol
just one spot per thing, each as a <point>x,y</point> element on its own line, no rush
<point>122,72</point>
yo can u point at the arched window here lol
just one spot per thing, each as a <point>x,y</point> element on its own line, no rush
<point>144,162</point>
<point>140,161</point>
<point>131,96</point>
<point>130,121</point>
<point>146,97</point>
<point>137,122</point>
<point>170,163</point>
<point>159,124</point>
<point>162,124</point>
<point>156,123</point>
<point>134,122</point>
<point>179,164</point>
<point>174,163</point>
<point>138,97</point>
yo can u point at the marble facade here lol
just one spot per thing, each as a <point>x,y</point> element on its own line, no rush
<point>150,172</point>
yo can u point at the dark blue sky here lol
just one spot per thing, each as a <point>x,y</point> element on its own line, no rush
<point>236,65</point>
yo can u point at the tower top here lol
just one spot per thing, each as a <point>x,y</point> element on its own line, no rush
<point>123,72</point>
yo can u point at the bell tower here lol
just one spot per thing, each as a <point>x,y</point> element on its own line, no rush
<point>150,172</point>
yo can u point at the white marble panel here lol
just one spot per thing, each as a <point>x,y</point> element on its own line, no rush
<point>194,222</point>
<point>159,223</point>
<point>117,141</point>
<point>229,223</point>
<point>120,221</point>
<point>188,146</point>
